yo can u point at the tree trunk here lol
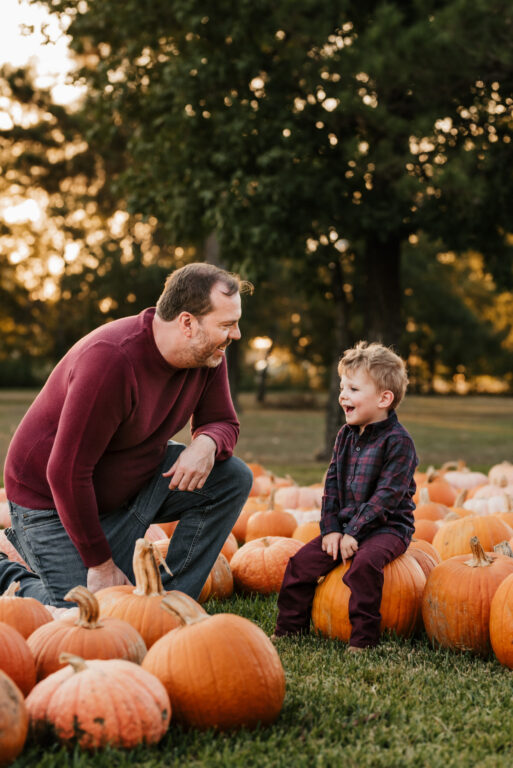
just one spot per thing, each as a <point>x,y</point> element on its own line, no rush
<point>342,340</point>
<point>383,298</point>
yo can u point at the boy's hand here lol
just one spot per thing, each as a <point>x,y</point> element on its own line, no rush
<point>331,544</point>
<point>348,547</point>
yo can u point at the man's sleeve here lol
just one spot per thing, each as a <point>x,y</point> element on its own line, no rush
<point>215,415</point>
<point>395,479</point>
<point>330,499</point>
<point>97,400</point>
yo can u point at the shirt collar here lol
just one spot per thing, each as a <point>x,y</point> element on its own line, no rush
<point>376,427</point>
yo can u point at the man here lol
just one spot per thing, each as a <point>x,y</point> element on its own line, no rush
<point>91,465</point>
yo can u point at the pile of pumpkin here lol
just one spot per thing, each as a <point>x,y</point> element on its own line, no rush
<point>118,667</point>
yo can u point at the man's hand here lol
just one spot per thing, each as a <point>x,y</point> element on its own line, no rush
<point>106,574</point>
<point>193,466</point>
<point>348,547</point>
<point>331,544</point>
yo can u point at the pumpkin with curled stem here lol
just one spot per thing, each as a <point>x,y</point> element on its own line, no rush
<point>89,636</point>
<point>140,605</point>
<point>99,702</point>
<point>220,671</point>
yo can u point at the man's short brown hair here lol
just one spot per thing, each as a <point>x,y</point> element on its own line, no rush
<point>384,366</point>
<point>189,289</point>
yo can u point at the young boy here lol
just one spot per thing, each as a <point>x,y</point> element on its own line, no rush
<point>367,507</point>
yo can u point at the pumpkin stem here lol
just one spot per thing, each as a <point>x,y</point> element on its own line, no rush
<point>431,474</point>
<point>183,606</point>
<point>77,662</point>
<point>503,548</point>
<point>146,570</point>
<point>89,610</point>
<point>12,589</point>
<point>479,557</point>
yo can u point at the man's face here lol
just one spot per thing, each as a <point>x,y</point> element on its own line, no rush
<point>216,330</point>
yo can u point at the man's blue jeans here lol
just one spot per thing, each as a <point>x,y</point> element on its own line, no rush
<point>206,517</point>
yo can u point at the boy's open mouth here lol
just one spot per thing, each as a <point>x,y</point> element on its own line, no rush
<point>349,408</point>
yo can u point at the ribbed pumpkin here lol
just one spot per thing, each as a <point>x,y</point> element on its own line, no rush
<point>140,605</point>
<point>453,537</point>
<point>222,579</point>
<point>400,608</point>
<point>299,497</point>
<point>501,622</point>
<point>426,547</point>
<point>23,613</point>
<point>220,671</point>
<point>16,658</point>
<point>307,531</point>
<point>87,636</point>
<point>270,522</point>
<point>259,565</point>
<point>13,720</point>
<point>458,595</point>
<point>99,702</point>
<point>426,561</point>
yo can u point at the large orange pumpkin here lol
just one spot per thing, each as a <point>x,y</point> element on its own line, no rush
<point>259,565</point>
<point>99,702</point>
<point>438,488</point>
<point>23,613</point>
<point>426,529</point>
<point>16,658</point>
<point>271,522</point>
<point>140,605</point>
<point>400,608</point>
<point>13,720</point>
<point>458,595</point>
<point>220,671</point>
<point>453,537</point>
<point>501,622</point>
<point>87,636</point>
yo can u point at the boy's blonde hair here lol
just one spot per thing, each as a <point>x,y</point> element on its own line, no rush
<point>386,369</point>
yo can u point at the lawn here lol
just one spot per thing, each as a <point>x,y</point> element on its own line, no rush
<point>403,704</point>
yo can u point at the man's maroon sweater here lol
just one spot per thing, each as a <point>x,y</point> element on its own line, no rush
<point>97,431</point>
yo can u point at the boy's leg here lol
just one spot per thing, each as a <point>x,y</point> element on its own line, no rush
<point>298,587</point>
<point>365,580</point>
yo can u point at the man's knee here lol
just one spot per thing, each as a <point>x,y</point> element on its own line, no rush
<point>240,474</point>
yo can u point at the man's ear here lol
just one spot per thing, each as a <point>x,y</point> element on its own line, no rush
<point>386,399</point>
<point>186,323</point>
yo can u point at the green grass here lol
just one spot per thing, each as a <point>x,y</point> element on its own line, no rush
<point>403,704</point>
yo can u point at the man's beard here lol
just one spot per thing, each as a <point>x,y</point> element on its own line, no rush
<point>203,352</point>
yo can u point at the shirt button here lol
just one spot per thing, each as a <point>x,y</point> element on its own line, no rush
<point>357,447</point>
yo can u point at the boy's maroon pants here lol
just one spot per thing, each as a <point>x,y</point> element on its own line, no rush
<point>364,578</point>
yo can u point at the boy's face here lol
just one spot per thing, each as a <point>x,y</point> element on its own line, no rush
<point>361,402</point>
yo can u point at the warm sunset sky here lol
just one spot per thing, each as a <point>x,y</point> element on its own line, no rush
<point>19,49</point>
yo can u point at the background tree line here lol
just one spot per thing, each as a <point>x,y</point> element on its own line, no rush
<point>353,160</point>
